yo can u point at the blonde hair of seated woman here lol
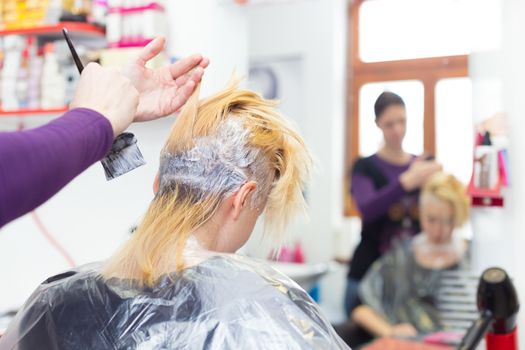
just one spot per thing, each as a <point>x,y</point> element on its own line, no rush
<point>259,163</point>
<point>444,207</point>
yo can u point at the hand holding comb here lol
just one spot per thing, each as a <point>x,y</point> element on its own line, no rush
<point>124,155</point>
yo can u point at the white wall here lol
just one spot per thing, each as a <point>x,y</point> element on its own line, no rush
<point>317,38</point>
<point>313,31</point>
<point>513,80</point>
<point>498,79</point>
<point>217,31</point>
<point>90,217</point>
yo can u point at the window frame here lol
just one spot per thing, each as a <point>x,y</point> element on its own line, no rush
<point>428,70</point>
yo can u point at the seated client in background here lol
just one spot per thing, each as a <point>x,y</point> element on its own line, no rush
<point>399,291</point>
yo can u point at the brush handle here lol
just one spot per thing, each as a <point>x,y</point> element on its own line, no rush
<point>77,60</point>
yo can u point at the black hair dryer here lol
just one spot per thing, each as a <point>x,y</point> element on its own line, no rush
<point>498,306</point>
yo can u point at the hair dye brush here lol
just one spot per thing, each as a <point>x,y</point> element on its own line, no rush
<point>125,154</point>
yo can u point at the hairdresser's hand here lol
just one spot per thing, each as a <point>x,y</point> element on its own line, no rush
<point>418,173</point>
<point>403,330</point>
<point>165,90</point>
<point>108,92</point>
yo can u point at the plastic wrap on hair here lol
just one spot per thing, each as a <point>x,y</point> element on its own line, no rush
<point>217,164</point>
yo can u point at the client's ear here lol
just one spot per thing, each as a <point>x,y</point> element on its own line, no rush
<point>242,198</point>
<point>156,183</point>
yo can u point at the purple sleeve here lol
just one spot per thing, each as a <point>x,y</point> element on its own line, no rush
<point>36,164</point>
<point>374,203</point>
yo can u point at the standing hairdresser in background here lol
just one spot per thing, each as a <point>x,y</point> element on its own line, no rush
<point>36,164</point>
<point>385,187</point>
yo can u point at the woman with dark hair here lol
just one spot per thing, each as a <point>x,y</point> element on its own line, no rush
<point>385,187</point>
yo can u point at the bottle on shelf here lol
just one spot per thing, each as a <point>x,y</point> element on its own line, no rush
<point>35,73</point>
<point>298,255</point>
<point>22,81</point>
<point>53,84</point>
<point>13,48</point>
<point>134,23</point>
<point>99,12</point>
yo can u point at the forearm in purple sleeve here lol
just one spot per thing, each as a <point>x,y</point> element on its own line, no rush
<point>36,164</point>
<point>374,203</point>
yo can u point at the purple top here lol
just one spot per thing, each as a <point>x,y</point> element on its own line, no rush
<point>389,213</point>
<point>36,164</point>
<point>373,203</point>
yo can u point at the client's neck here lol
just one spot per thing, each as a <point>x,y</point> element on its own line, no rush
<point>210,234</point>
<point>206,238</point>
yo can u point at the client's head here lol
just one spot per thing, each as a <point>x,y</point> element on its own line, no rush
<point>227,160</point>
<point>444,206</point>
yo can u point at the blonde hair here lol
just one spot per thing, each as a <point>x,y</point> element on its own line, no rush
<point>448,189</point>
<point>214,147</point>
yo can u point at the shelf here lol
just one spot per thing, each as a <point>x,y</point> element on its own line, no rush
<point>23,112</point>
<point>129,44</point>
<point>485,197</point>
<point>153,6</point>
<point>77,29</point>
